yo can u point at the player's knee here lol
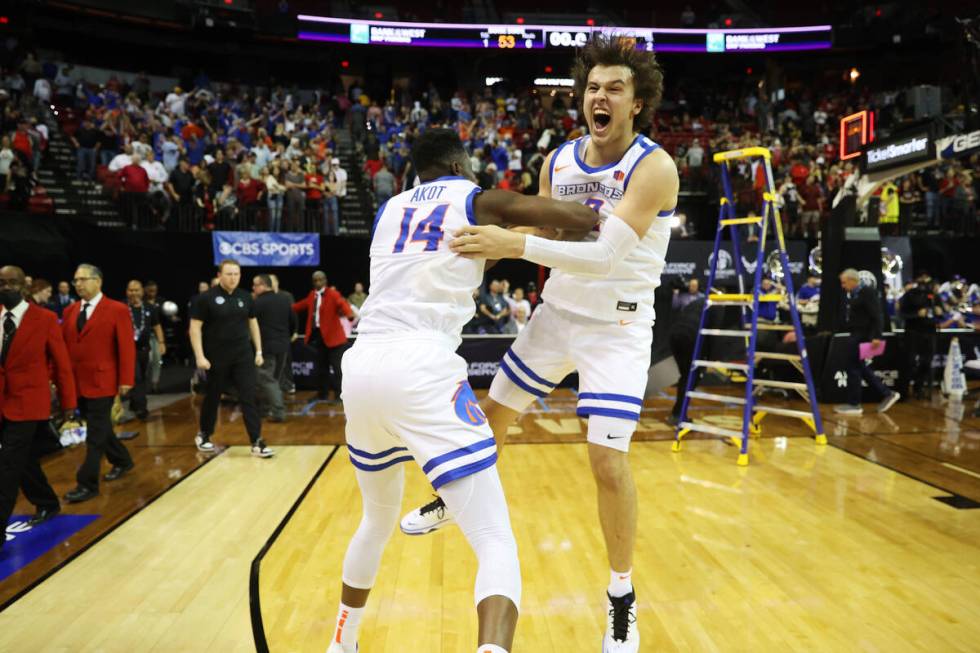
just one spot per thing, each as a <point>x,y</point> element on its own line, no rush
<point>379,521</point>
<point>610,468</point>
<point>499,571</point>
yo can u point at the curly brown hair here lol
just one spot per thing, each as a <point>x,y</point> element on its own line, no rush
<point>611,50</point>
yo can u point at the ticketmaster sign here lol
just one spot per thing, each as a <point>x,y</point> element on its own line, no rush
<point>914,148</point>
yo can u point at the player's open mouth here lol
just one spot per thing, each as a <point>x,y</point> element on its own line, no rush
<point>601,119</point>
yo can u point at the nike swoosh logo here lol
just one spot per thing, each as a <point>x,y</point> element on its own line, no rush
<point>560,168</point>
<point>625,323</point>
<point>615,437</point>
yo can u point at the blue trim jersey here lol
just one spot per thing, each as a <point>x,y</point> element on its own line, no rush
<point>627,293</point>
<point>405,389</point>
<point>417,283</point>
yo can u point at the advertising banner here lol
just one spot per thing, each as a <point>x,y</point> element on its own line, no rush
<point>266,249</point>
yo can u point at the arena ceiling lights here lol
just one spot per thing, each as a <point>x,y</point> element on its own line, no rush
<point>536,37</point>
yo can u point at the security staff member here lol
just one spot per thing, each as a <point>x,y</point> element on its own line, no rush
<point>146,322</point>
<point>30,344</point>
<point>223,332</point>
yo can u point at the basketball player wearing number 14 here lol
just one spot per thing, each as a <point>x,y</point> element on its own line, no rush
<point>598,304</point>
<point>405,390</point>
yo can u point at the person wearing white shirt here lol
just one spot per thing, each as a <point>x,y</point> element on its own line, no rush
<point>520,308</point>
<point>262,155</point>
<point>341,186</point>
<point>695,154</point>
<point>142,148</point>
<point>341,175</point>
<point>6,156</point>
<point>331,206</point>
<point>158,175</point>
<point>122,159</point>
<point>155,171</point>
<point>42,90</point>
<point>514,160</point>
<point>176,101</point>
<point>41,128</point>
<point>275,194</point>
<point>295,150</point>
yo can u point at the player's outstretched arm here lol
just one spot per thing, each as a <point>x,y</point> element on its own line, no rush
<point>653,190</point>
<point>505,208</point>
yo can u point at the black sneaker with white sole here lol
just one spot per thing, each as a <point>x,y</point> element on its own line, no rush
<point>261,450</point>
<point>203,442</point>
<point>426,519</point>
<point>622,634</point>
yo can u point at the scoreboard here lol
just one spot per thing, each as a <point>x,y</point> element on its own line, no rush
<point>536,37</point>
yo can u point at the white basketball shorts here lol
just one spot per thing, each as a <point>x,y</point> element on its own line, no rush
<point>408,397</point>
<point>612,359</point>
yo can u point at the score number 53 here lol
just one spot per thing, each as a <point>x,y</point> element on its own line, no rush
<point>507,42</point>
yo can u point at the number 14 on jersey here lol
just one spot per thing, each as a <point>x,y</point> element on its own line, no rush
<point>429,229</point>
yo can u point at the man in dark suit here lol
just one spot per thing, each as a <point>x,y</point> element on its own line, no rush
<point>99,335</point>
<point>286,379</point>
<point>861,316</point>
<point>920,308</point>
<point>323,307</point>
<point>62,299</point>
<point>30,345</point>
<point>277,322</point>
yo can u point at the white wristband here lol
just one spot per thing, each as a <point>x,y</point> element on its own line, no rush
<point>598,258</point>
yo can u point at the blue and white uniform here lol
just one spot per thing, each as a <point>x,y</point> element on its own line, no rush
<point>405,389</point>
<point>601,327</point>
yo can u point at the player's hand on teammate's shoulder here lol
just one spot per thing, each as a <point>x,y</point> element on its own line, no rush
<point>489,241</point>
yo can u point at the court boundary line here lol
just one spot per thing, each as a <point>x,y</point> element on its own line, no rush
<point>895,470</point>
<point>61,565</point>
<point>254,598</point>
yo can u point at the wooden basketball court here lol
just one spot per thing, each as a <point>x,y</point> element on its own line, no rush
<point>866,544</point>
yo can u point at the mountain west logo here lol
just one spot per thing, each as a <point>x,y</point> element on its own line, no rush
<point>724,260</point>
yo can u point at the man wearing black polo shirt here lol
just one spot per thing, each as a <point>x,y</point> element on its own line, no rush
<point>223,333</point>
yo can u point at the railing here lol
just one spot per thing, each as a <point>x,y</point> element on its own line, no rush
<point>153,211</point>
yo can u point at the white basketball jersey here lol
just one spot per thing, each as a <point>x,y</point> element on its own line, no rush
<point>417,283</point>
<point>627,293</point>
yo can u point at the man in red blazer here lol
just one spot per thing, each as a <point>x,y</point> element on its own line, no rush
<point>30,346</point>
<point>323,307</point>
<point>99,335</point>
